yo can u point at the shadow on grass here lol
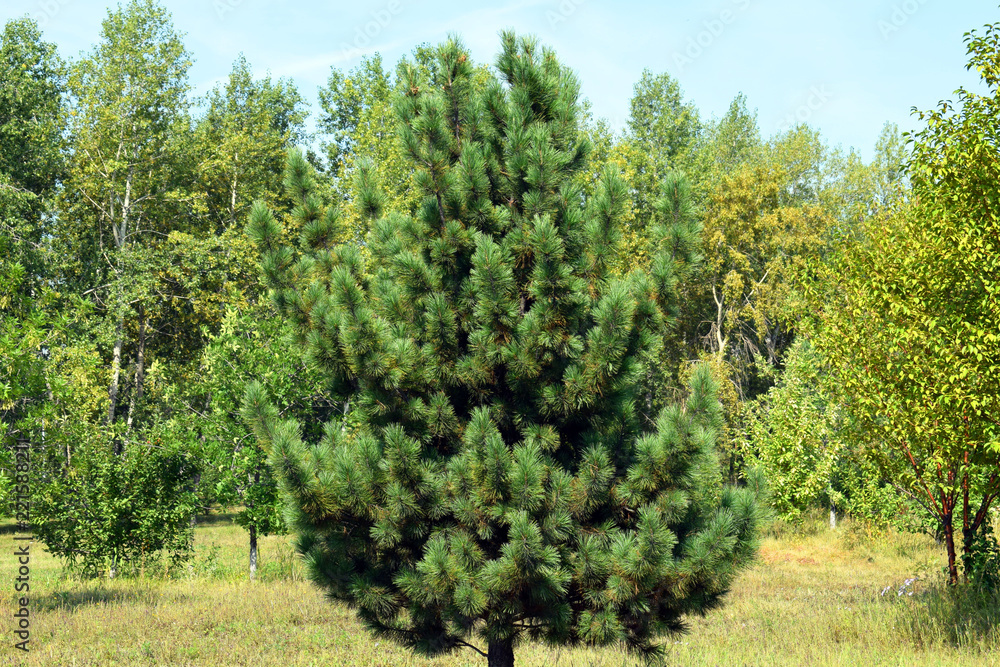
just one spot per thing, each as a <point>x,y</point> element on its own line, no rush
<point>216,519</point>
<point>9,526</point>
<point>963,616</point>
<point>72,600</point>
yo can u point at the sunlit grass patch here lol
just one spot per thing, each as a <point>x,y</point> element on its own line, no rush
<point>813,597</point>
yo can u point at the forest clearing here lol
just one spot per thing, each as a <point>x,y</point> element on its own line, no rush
<point>455,371</point>
<point>813,598</point>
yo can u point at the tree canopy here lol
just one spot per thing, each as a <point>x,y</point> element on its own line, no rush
<point>908,316</point>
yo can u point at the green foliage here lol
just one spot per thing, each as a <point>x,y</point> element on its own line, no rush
<point>662,129</point>
<point>112,514</point>
<point>124,190</point>
<point>32,82</point>
<point>488,327</point>
<point>100,506</point>
<point>658,117</point>
<point>129,103</point>
<point>22,377</point>
<point>23,391</point>
<point>360,124</point>
<point>723,145</point>
<point>909,316</point>
<point>870,499</point>
<point>794,436</point>
<point>678,261</point>
<point>348,101</point>
<point>241,142</point>
<point>803,440</point>
<point>981,559</point>
<point>857,191</point>
<point>761,226</point>
<point>251,345</point>
<point>762,223</point>
<point>501,482</point>
<point>32,79</point>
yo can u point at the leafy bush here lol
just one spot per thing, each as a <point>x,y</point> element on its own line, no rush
<point>109,514</point>
<point>981,560</point>
<point>793,434</point>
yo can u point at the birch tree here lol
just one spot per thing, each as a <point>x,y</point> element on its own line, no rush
<point>128,115</point>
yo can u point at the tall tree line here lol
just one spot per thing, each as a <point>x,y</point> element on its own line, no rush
<point>134,310</point>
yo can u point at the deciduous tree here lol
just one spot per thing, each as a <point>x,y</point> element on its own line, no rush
<point>32,162</point>
<point>909,320</point>
<point>129,114</point>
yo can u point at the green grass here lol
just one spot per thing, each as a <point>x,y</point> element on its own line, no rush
<point>811,599</point>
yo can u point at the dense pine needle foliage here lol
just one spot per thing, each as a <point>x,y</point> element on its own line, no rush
<point>503,481</point>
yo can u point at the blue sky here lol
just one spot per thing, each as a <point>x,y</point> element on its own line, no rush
<point>845,66</point>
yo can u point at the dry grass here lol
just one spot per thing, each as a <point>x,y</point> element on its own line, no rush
<point>810,599</point>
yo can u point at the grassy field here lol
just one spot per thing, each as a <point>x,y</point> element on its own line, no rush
<point>811,599</point>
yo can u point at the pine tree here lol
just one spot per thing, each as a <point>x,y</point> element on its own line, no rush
<point>502,484</point>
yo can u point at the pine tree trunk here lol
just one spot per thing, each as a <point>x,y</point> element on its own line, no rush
<point>501,654</point>
<point>253,553</point>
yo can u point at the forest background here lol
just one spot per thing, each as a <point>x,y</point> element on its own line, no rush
<point>845,307</point>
